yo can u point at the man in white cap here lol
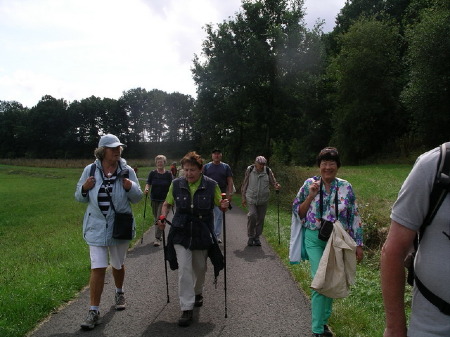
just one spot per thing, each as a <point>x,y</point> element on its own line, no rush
<point>255,194</point>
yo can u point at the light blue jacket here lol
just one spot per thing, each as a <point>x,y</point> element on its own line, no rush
<point>97,230</point>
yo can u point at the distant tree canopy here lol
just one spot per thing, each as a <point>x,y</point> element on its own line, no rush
<point>376,86</point>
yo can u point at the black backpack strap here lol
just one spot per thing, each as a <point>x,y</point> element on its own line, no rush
<point>443,306</point>
<point>92,172</point>
<point>437,196</point>
<point>440,187</point>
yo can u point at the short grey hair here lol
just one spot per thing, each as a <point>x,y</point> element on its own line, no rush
<point>99,152</point>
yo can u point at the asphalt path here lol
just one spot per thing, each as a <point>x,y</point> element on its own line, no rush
<point>262,297</point>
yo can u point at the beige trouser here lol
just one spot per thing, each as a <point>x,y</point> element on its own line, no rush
<point>191,275</point>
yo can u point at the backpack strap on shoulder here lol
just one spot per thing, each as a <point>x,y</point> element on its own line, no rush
<point>441,186</point>
<point>92,172</point>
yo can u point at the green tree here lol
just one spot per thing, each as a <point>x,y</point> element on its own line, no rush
<point>252,77</point>
<point>13,118</point>
<point>427,93</point>
<point>367,117</point>
<point>48,129</point>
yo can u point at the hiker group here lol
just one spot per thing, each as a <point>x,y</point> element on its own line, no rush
<point>326,229</point>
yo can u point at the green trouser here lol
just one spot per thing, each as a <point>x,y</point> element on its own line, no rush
<point>320,304</point>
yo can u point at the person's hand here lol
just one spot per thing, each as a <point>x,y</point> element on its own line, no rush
<point>359,254</point>
<point>277,186</point>
<point>89,184</point>
<point>146,191</point>
<point>126,183</point>
<point>314,188</point>
<point>161,222</point>
<point>224,203</point>
<point>244,203</point>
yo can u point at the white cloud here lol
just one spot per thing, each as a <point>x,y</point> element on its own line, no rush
<point>73,49</point>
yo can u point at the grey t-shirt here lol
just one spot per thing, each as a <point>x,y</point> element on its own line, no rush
<point>432,264</point>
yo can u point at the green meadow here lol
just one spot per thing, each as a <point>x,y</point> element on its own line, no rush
<point>46,261</point>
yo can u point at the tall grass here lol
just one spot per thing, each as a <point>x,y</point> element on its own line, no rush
<point>46,261</point>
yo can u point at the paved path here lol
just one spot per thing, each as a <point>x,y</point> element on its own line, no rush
<point>262,297</point>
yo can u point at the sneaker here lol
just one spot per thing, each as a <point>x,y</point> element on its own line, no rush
<point>92,319</point>
<point>219,241</point>
<point>327,332</point>
<point>250,242</point>
<point>318,335</point>
<point>198,300</point>
<point>157,243</point>
<point>186,318</point>
<point>120,301</point>
<point>256,242</point>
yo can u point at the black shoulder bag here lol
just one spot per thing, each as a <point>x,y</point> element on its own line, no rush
<point>123,222</point>
<point>326,227</point>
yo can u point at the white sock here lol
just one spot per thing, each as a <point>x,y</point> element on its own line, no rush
<point>94,307</point>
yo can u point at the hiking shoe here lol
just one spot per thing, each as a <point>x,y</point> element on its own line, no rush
<point>250,242</point>
<point>186,318</point>
<point>92,319</point>
<point>327,332</point>
<point>157,243</point>
<point>198,300</point>
<point>120,301</point>
<point>256,242</point>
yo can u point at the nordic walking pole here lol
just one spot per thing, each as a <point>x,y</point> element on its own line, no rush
<point>224,196</point>
<point>165,264</point>
<point>143,221</point>
<point>278,202</point>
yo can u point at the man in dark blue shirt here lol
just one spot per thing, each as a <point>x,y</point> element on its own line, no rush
<point>221,173</point>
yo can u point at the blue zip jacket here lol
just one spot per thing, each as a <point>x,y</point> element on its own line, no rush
<point>98,229</point>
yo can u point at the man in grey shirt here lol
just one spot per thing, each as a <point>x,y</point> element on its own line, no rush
<point>432,263</point>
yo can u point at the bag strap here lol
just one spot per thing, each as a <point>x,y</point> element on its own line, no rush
<point>440,187</point>
<point>439,192</point>
<point>93,168</point>
<point>335,199</point>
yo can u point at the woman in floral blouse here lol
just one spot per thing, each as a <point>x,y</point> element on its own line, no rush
<point>331,190</point>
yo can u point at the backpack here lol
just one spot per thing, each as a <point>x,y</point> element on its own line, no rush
<point>440,189</point>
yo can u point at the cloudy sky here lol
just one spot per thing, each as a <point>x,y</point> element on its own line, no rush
<point>74,49</point>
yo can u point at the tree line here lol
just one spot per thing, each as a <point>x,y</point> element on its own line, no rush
<point>375,86</point>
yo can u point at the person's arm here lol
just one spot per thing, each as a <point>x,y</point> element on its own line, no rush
<point>397,246</point>
<point>273,181</point>
<point>304,206</point>
<point>244,187</point>
<point>229,188</point>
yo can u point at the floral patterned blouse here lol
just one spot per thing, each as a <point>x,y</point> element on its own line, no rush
<point>348,210</point>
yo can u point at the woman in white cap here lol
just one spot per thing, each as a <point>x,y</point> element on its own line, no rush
<point>255,194</point>
<point>108,185</point>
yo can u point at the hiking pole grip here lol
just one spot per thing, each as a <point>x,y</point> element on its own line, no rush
<point>224,196</point>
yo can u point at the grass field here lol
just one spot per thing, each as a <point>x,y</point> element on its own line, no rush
<point>47,262</point>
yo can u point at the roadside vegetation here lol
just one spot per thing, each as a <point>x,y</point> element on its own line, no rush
<point>46,262</point>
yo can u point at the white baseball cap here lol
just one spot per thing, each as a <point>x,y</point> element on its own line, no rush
<point>109,140</point>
